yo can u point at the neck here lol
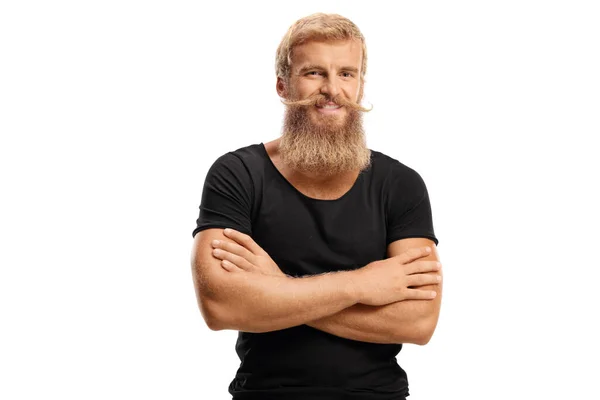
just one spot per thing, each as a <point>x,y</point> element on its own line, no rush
<point>317,177</point>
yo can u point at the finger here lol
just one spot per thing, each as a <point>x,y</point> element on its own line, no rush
<point>243,239</point>
<point>418,267</point>
<point>423,279</point>
<point>233,248</point>
<point>414,254</point>
<point>419,294</point>
<point>226,265</point>
<point>238,261</point>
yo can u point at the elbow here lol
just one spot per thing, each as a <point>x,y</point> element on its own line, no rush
<point>214,324</point>
<point>420,334</point>
<point>213,315</point>
<point>211,304</point>
<point>211,308</point>
<point>424,332</point>
<point>423,339</point>
<point>222,310</point>
<point>219,316</point>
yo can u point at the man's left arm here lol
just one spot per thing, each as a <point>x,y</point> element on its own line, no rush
<point>409,321</point>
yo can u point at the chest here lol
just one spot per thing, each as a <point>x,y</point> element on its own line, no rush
<point>306,236</point>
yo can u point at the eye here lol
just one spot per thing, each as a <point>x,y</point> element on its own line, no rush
<point>314,73</point>
<point>347,74</point>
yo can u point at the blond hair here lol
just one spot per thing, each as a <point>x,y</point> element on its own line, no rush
<point>317,26</point>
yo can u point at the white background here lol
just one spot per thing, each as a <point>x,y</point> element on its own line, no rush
<point>111,113</point>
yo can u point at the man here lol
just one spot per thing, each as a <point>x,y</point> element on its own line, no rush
<point>329,262</point>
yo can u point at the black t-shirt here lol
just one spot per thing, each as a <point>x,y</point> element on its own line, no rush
<point>389,201</point>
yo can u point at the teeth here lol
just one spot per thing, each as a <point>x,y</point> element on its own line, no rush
<point>330,106</point>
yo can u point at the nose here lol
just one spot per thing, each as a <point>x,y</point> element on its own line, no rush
<point>330,87</point>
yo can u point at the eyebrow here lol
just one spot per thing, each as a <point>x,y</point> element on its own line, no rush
<point>312,67</point>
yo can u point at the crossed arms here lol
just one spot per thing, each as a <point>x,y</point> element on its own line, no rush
<point>396,300</point>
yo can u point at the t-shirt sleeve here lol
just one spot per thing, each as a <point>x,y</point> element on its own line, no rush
<point>409,209</point>
<point>226,196</point>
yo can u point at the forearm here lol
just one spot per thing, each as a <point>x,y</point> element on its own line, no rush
<point>262,303</point>
<point>409,321</point>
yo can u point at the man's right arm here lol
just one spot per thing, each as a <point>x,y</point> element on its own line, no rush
<point>252,302</point>
<point>255,302</point>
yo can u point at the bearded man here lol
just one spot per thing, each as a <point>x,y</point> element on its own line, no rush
<point>319,251</point>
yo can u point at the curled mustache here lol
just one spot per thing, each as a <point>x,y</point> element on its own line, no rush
<point>321,99</point>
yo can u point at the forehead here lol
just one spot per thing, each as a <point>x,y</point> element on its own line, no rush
<point>339,53</point>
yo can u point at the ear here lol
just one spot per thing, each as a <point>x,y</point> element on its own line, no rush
<point>361,90</point>
<point>281,88</point>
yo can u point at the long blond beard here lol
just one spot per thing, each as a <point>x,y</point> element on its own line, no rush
<point>327,148</point>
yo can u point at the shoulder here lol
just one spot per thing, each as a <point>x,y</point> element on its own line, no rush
<point>247,155</point>
<point>244,160</point>
<point>252,153</point>
<point>242,169</point>
<point>392,172</point>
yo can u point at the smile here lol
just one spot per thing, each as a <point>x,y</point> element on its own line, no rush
<point>329,108</point>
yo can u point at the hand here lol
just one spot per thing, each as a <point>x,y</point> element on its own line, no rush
<point>398,278</point>
<point>243,255</point>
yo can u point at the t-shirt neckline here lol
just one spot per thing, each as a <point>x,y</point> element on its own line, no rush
<point>343,196</point>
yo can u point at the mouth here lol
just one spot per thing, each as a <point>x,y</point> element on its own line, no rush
<point>329,108</point>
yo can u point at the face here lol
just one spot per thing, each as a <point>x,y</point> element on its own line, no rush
<point>322,132</point>
<point>327,68</point>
